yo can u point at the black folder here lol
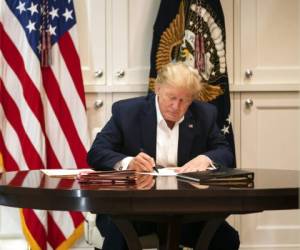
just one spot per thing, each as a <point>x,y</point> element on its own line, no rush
<point>221,176</point>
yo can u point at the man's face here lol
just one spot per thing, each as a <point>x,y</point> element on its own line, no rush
<point>173,101</point>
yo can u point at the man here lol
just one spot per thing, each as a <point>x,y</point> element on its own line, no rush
<point>169,128</point>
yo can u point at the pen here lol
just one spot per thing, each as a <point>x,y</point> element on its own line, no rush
<point>155,169</point>
<point>214,166</point>
<point>211,167</point>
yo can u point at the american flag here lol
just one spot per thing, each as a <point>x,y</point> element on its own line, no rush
<point>42,109</point>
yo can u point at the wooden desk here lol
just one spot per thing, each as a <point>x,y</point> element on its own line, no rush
<point>166,199</point>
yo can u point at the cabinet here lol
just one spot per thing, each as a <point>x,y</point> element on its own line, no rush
<point>266,109</point>
<point>96,107</point>
<point>91,27</point>
<point>270,130</point>
<point>269,42</point>
<point>115,41</point>
<point>270,138</point>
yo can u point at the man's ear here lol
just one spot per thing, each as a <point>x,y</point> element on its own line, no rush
<point>156,89</point>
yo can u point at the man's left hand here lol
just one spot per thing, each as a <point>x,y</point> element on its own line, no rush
<point>199,163</point>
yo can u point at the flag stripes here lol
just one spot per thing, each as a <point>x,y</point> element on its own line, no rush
<point>42,110</point>
<point>16,63</point>
<point>76,217</point>
<point>62,113</point>
<point>17,179</point>
<point>54,229</point>
<point>11,147</point>
<point>58,139</point>
<point>31,94</point>
<point>34,226</point>
<point>72,61</point>
<point>13,166</point>
<point>13,116</point>
<point>69,92</point>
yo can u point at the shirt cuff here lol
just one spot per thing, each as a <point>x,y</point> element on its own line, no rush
<point>123,164</point>
<point>211,163</point>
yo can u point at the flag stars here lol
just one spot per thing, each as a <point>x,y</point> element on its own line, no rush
<point>21,7</point>
<point>30,26</point>
<point>53,13</point>
<point>225,130</point>
<point>68,14</point>
<point>39,47</point>
<point>228,120</point>
<point>52,30</point>
<point>33,8</point>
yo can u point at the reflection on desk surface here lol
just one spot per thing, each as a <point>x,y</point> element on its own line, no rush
<point>264,179</point>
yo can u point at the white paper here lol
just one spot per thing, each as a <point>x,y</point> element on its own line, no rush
<point>163,172</point>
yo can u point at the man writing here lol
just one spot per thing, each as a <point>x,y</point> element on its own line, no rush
<point>168,129</point>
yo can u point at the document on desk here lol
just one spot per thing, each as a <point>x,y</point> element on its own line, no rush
<point>65,172</point>
<point>163,172</point>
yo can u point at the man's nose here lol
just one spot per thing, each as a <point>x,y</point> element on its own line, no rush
<point>176,104</point>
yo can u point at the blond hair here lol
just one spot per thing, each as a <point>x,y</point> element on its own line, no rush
<point>182,76</point>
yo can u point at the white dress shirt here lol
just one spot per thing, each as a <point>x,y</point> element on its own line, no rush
<point>166,140</point>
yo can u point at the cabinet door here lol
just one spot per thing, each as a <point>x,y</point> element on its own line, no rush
<point>270,130</point>
<point>270,230</point>
<point>270,41</point>
<point>130,24</point>
<point>270,139</point>
<point>96,105</point>
<point>91,17</point>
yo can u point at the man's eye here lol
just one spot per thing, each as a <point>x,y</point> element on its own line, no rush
<point>172,98</point>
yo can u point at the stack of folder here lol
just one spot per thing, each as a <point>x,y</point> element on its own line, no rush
<point>125,177</point>
<point>221,177</point>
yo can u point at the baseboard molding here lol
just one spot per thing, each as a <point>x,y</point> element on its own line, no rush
<point>271,247</point>
<point>9,244</point>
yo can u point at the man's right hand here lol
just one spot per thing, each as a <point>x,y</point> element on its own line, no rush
<point>142,163</point>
